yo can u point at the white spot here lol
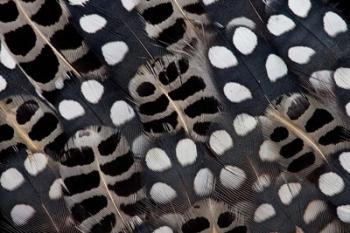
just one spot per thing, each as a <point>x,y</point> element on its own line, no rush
<point>288,192</point>
<point>55,191</point>
<point>245,40</point>
<point>139,144</point>
<point>313,209</point>
<point>236,92</point>
<point>321,79</point>
<point>78,2</point>
<point>332,227</point>
<point>3,83</point>
<point>186,152</point>
<point>220,142</point>
<point>280,24</point>
<point>208,2</point>
<point>300,8</point>
<point>21,214</point>
<point>232,177</point>
<point>221,57</point>
<point>301,54</point>
<point>11,179</point>
<point>70,109</point>
<point>35,163</point>
<point>6,58</point>
<point>276,68</point>
<point>204,182</point>
<point>342,77</point>
<point>92,23</point>
<point>92,91</point>
<point>164,229</point>
<point>130,4</point>
<point>343,213</point>
<point>331,184</point>
<point>344,160</point>
<point>157,160</point>
<point>269,151</point>
<point>114,52</point>
<point>244,124</point>
<point>241,21</point>
<point>162,193</point>
<point>333,24</point>
<point>347,108</point>
<point>264,212</point>
<point>121,112</point>
<point>261,183</point>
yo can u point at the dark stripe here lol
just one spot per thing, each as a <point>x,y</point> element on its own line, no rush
<point>279,134</point>
<point>154,107</point>
<point>106,225</point>
<point>239,229</point>
<point>67,38</point>
<point>336,135</point>
<point>82,183</point>
<point>57,145</point>
<point>6,133</point>
<point>25,111</point>
<point>119,165</point>
<point>48,14</point>
<point>161,125</point>
<point>302,162</point>
<point>78,157</point>
<point>292,148</point>
<point>44,67</point>
<point>319,118</point>
<point>21,40</point>
<point>133,209</point>
<point>43,127</point>
<point>87,63</point>
<point>225,219</point>
<point>201,128</point>
<point>193,85</point>
<point>173,70</point>
<point>174,33</point>
<point>145,89</point>
<point>195,225</point>
<point>88,207</point>
<point>8,12</point>
<point>205,105</point>
<point>298,107</point>
<point>195,8</point>
<point>128,186</point>
<point>158,13</point>
<point>109,145</point>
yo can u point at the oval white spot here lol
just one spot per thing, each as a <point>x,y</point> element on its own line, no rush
<point>232,177</point>
<point>331,184</point>
<point>300,8</point>
<point>264,212</point>
<point>130,4</point>
<point>276,68</point>
<point>186,152</point>
<point>244,124</point>
<point>162,193</point>
<point>55,191</point>
<point>221,57</point>
<point>157,160</point>
<point>280,24</point>
<point>92,91</point>
<point>139,144</point>
<point>35,163</point>
<point>220,142</point>
<point>92,23</point>
<point>313,209</point>
<point>6,58</point>
<point>288,192</point>
<point>343,213</point>
<point>245,40</point>
<point>236,92</point>
<point>121,112</point>
<point>269,151</point>
<point>21,214</point>
<point>70,109</point>
<point>11,179</point>
<point>344,160</point>
<point>322,79</point>
<point>300,54</point>
<point>3,83</point>
<point>333,24</point>
<point>114,52</point>
<point>342,77</point>
<point>204,182</point>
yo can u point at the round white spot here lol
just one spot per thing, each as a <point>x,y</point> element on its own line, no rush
<point>139,144</point>
<point>162,193</point>
<point>269,151</point>
<point>21,214</point>
<point>333,24</point>
<point>220,142</point>
<point>6,58</point>
<point>121,112</point>
<point>114,52</point>
<point>300,8</point>
<point>78,2</point>
<point>70,109</point>
<point>92,91</point>
<point>331,184</point>
<point>36,163</point>
<point>313,209</point>
<point>244,124</point>
<point>11,179</point>
<point>264,212</point>
<point>344,160</point>
<point>55,191</point>
<point>204,182</point>
<point>236,92</point>
<point>245,40</point>
<point>301,54</point>
<point>221,57</point>
<point>157,160</point>
<point>92,23</point>
<point>280,24</point>
<point>186,152</point>
<point>322,79</point>
<point>130,4</point>
<point>343,213</point>
<point>276,68</point>
<point>3,83</point>
<point>342,77</point>
<point>232,177</point>
<point>288,192</point>
<point>261,183</point>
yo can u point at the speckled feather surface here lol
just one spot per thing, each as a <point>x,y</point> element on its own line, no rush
<point>174,116</point>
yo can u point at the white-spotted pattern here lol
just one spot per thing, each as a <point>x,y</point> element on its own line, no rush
<point>221,57</point>
<point>276,68</point>
<point>300,8</point>
<point>333,24</point>
<point>157,160</point>
<point>263,212</point>
<point>280,24</point>
<point>232,177</point>
<point>114,52</point>
<point>70,109</point>
<point>341,77</point>
<point>245,40</point>
<point>301,54</point>
<point>236,92</point>
<point>11,179</point>
<point>162,193</point>
<point>121,112</point>
<point>21,214</point>
<point>92,91</point>
<point>313,209</point>
<point>331,184</point>
<point>288,192</point>
<point>269,151</point>
<point>36,163</point>
<point>55,191</point>
<point>204,182</point>
<point>343,213</point>
<point>244,124</point>
<point>220,142</point>
<point>92,23</point>
<point>186,152</point>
